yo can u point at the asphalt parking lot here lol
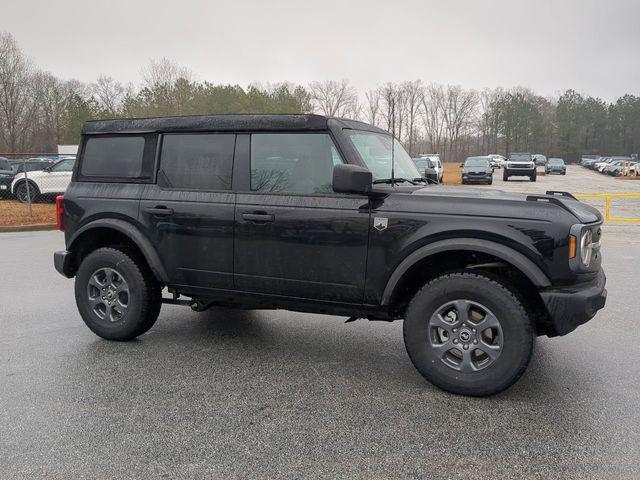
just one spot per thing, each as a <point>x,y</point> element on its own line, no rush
<point>579,181</point>
<point>274,394</point>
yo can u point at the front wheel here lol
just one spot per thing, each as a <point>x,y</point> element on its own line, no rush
<point>533,177</point>
<point>25,194</point>
<point>117,295</point>
<point>468,334</point>
<point>505,176</point>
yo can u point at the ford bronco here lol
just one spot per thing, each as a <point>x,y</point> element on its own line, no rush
<point>317,214</point>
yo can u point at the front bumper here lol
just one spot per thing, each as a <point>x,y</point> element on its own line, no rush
<point>477,178</point>
<point>5,186</point>
<point>571,306</point>
<point>63,263</point>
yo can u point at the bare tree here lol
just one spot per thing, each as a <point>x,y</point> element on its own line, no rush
<point>164,73</point>
<point>17,95</point>
<point>333,98</point>
<point>433,116</point>
<point>109,93</point>
<point>372,109</point>
<point>459,108</point>
<point>413,93</point>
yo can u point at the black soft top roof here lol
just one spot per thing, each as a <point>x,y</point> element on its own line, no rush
<point>221,122</point>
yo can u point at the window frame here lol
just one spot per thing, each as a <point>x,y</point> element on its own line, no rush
<point>147,168</point>
<point>158,160</point>
<point>246,170</point>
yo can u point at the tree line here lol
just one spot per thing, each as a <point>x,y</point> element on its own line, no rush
<point>39,111</point>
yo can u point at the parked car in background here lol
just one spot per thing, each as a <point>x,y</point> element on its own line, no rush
<point>53,180</point>
<point>540,159</point>
<point>586,159</point>
<point>619,168</point>
<point>498,160</point>
<point>6,176</point>
<point>604,161</point>
<point>16,168</point>
<point>477,170</point>
<point>437,164</point>
<point>520,165</point>
<point>427,169</point>
<point>602,167</point>
<point>556,165</point>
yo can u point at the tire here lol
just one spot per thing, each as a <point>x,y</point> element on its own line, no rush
<point>505,176</point>
<point>514,335</point>
<point>533,177</point>
<point>21,192</point>
<point>490,182</point>
<point>130,313</point>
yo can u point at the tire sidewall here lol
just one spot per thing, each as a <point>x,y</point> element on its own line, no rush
<point>517,333</point>
<point>131,322</point>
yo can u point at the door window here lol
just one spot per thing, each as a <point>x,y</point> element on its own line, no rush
<point>63,166</point>
<point>197,161</point>
<point>293,162</point>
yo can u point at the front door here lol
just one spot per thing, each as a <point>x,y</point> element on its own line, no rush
<point>295,236</point>
<point>189,212</point>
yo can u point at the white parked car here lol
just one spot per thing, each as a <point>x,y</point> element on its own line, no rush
<point>52,180</point>
<point>498,160</point>
<point>437,164</point>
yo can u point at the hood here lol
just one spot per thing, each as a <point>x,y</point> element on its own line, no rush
<point>583,212</point>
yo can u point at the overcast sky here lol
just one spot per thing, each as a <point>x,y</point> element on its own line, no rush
<point>591,46</point>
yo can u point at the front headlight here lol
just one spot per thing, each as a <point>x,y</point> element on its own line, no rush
<point>586,247</point>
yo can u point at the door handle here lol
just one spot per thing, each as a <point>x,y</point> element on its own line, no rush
<point>159,211</point>
<point>258,217</point>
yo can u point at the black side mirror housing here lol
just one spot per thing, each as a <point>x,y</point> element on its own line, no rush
<point>352,179</point>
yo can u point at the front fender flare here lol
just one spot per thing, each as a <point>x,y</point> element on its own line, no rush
<point>507,254</point>
<point>134,234</point>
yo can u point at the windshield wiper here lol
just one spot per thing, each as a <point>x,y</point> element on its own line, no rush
<point>394,180</point>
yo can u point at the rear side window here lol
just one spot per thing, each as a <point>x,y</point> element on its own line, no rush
<point>200,161</point>
<point>293,162</point>
<point>115,157</point>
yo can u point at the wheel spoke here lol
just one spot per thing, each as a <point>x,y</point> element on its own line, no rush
<point>438,321</point>
<point>489,321</point>
<point>95,281</point>
<point>462,307</point>
<point>466,364</point>
<point>492,351</point>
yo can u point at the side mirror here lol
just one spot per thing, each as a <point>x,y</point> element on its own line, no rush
<point>462,165</point>
<point>351,179</point>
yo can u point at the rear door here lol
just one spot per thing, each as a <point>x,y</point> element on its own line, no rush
<point>189,212</point>
<point>294,236</point>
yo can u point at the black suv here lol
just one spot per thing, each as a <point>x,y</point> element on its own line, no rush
<point>301,212</point>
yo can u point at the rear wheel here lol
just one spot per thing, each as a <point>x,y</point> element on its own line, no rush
<point>468,334</point>
<point>117,296</point>
<point>25,194</point>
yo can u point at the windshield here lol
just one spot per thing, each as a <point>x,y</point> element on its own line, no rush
<point>476,162</point>
<point>555,161</point>
<point>520,157</point>
<point>375,150</point>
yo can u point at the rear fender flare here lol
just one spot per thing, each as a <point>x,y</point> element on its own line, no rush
<point>135,235</point>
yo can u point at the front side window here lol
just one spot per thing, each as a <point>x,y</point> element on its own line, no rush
<point>115,157</point>
<point>63,166</point>
<point>293,162</point>
<point>202,161</point>
<point>376,152</point>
